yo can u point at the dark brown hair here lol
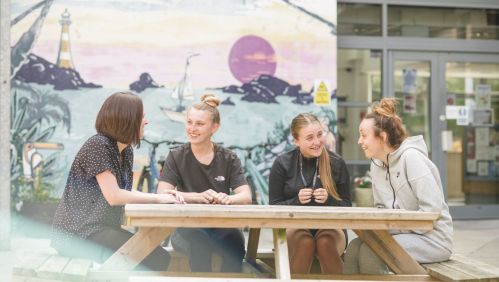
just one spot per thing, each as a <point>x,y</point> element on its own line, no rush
<point>209,103</point>
<point>301,121</point>
<point>120,118</point>
<point>384,114</point>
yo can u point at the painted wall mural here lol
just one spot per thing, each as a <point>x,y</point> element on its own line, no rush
<point>267,60</point>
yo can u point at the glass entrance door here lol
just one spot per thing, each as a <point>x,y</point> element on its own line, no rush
<point>472,83</point>
<point>453,101</point>
<point>414,83</point>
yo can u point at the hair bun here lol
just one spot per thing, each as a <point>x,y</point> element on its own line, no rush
<point>211,100</point>
<point>385,107</point>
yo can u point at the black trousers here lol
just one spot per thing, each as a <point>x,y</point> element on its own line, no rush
<point>101,245</point>
<point>203,242</point>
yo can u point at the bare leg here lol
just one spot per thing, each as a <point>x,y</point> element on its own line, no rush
<point>301,245</point>
<point>330,247</point>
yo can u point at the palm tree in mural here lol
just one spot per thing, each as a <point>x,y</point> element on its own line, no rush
<point>35,115</point>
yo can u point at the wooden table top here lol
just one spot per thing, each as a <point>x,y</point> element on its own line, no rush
<point>274,216</point>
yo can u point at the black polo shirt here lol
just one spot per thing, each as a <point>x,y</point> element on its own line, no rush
<point>83,210</point>
<point>184,171</point>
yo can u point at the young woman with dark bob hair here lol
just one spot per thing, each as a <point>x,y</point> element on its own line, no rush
<point>403,177</point>
<point>310,175</point>
<point>87,222</point>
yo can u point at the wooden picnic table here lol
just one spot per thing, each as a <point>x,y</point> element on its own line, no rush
<point>156,221</point>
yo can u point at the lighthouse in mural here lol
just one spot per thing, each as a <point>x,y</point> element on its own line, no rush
<point>64,59</point>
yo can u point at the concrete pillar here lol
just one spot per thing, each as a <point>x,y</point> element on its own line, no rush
<point>4,125</point>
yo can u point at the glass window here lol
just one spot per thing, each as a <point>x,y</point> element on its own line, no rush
<point>359,84</point>
<point>443,22</point>
<point>359,19</point>
<point>359,75</point>
<point>473,157</point>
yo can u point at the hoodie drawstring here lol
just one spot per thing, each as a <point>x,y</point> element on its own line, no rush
<point>389,178</point>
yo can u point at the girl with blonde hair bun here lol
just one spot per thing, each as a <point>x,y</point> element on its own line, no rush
<point>403,177</point>
<point>203,172</point>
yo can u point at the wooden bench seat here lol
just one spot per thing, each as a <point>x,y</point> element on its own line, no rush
<point>48,267</point>
<point>460,268</point>
<point>351,278</point>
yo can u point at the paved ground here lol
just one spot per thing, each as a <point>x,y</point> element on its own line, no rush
<point>477,239</point>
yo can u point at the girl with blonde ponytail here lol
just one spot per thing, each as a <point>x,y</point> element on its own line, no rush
<point>311,175</point>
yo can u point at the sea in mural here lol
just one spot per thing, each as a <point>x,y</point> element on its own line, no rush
<point>266,60</point>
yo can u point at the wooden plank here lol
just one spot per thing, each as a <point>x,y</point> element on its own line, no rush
<point>29,265</point>
<point>476,263</point>
<point>274,212</point>
<point>282,270</point>
<point>463,269</point>
<point>255,270</point>
<point>199,279</point>
<point>52,268</point>
<point>207,222</point>
<point>253,240</point>
<point>449,274</point>
<point>16,278</point>
<point>470,269</point>
<point>120,276</point>
<point>264,268</point>
<point>205,279</point>
<point>388,250</point>
<point>136,248</point>
<point>361,277</point>
<point>77,269</point>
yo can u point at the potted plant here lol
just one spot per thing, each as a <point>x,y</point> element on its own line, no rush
<point>363,192</point>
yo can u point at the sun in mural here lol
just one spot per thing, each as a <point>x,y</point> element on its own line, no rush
<point>250,57</point>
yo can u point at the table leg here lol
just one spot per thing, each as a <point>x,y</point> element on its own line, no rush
<point>253,238</point>
<point>139,246</point>
<point>388,250</point>
<point>281,254</point>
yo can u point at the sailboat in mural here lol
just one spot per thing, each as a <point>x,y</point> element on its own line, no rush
<point>182,91</point>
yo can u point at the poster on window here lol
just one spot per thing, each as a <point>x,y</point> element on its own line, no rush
<point>409,79</point>
<point>483,117</point>
<point>483,97</point>
<point>483,169</point>
<point>409,104</point>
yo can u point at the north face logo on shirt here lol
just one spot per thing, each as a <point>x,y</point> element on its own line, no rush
<point>220,178</point>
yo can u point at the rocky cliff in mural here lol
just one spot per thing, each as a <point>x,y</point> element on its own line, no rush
<point>266,88</point>
<point>145,81</point>
<point>39,70</point>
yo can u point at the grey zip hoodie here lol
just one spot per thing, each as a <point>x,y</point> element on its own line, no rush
<point>411,181</point>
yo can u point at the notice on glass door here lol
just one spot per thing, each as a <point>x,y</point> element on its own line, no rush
<point>482,96</point>
<point>482,136</point>
<point>409,77</point>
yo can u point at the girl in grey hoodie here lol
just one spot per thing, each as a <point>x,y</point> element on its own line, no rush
<point>403,177</point>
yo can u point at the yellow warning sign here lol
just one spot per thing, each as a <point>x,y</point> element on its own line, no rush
<point>322,96</point>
